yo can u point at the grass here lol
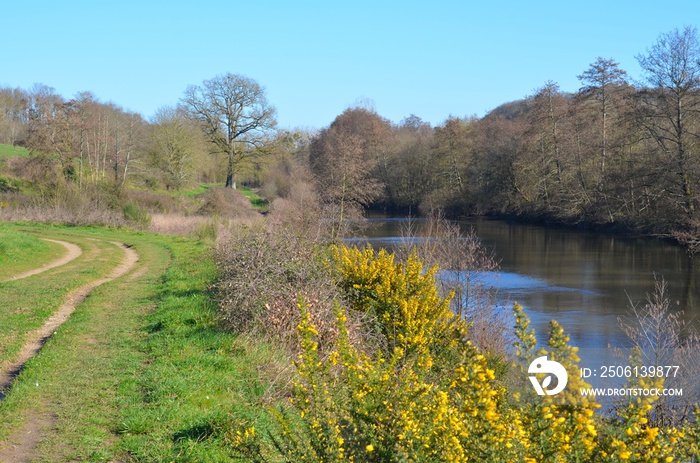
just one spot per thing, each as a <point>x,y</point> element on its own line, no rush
<point>9,151</point>
<point>257,202</point>
<point>26,304</point>
<point>141,371</point>
<point>193,192</point>
<point>20,252</point>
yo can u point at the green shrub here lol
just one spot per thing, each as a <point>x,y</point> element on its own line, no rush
<point>137,216</point>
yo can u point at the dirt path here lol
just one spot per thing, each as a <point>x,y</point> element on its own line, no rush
<point>21,446</point>
<point>75,297</point>
<point>74,252</point>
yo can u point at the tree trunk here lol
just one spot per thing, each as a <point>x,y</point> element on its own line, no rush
<point>230,182</point>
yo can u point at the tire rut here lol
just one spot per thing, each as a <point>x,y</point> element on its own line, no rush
<point>74,252</point>
<point>75,297</point>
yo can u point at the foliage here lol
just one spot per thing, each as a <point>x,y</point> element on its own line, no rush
<point>430,395</point>
<point>137,216</point>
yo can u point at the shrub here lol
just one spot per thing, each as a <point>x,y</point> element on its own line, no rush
<point>137,216</point>
<point>260,275</point>
<point>463,260</point>
<point>226,203</point>
<point>429,394</point>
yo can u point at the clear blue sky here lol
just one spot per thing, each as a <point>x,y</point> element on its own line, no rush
<point>433,59</point>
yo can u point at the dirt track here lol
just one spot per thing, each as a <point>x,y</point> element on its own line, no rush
<point>21,446</point>
<point>74,252</point>
<point>75,297</point>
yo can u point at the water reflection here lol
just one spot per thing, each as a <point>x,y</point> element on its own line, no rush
<point>583,280</point>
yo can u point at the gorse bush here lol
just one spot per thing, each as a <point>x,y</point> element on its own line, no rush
<point>429,395</point>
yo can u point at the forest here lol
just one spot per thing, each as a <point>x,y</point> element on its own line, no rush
<point>618,154</point>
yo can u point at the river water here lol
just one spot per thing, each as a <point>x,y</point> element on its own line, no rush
<point>585,281</point>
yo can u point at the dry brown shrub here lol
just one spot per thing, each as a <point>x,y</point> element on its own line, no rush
<point>226,203</point>
<point>298,214</point>
<point>154,202</point>
<point>63,215</point>
<point>663,338</point>
<point>38,169</point>
<point>264,275</point>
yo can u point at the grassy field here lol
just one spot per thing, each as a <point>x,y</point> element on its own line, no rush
<point>8,151</point>
<point>141,371</point>
<point>256,201</point>
<point>20,252</point>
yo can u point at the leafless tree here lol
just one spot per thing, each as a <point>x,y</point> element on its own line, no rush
<point>343,158</point>
<point>663,339</point>
<point>236,116</point>
<point>671,109</point>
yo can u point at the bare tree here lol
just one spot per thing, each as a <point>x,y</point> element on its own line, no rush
<point>13,115</point>
<point>671,109</point>
<point>601,81</point>
<point>236,116</point>
<point>343,159</point>
<point>176,146</point>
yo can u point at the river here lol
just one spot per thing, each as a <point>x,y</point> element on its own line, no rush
<point>585,281</point>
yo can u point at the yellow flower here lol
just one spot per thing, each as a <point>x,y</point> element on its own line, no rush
<point>370,448</point>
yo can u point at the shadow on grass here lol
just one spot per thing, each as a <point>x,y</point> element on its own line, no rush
<point>196,433</point>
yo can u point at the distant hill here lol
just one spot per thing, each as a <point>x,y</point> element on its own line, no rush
<point>517,108</point>
<point>512,109</point>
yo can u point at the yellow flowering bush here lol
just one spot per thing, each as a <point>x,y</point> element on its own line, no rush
<point>405,402</point>
<point>429,395</point>
<point>404,299</point>
<point>561,427</point>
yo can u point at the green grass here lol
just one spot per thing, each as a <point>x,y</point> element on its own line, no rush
<point>20,252</point>
<point>193,192</point>
<point>257,202</point>
<point>141,371</point>
<point>26,304</point>
<point>9,151</point>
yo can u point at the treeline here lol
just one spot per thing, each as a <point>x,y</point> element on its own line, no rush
<point>615,153</point>
<point>84,142</point>
<point>93,142</point>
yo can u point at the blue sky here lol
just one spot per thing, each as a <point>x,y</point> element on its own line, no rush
<point>433,59</point>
